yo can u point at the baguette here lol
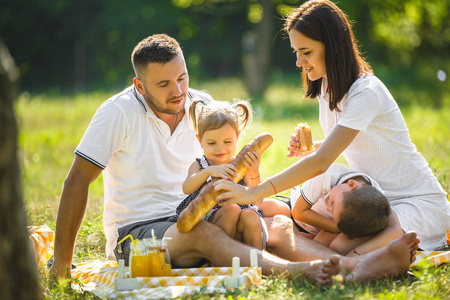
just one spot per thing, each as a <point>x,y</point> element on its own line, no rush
<point>205,201</point>
<point>304,137</point>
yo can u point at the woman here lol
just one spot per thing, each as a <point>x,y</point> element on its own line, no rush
<point>360,120</point>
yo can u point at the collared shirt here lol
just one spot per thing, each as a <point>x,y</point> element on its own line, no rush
<point>144,165</point>
<point>316,191</point>
<point>384,150</point>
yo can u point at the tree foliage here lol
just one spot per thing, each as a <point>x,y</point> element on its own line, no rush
<point>79,45</point>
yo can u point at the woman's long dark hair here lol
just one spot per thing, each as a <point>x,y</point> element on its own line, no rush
<point>323,21</point>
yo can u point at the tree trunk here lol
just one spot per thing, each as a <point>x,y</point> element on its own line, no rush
<point>257,51</point>
<point>18,269</point>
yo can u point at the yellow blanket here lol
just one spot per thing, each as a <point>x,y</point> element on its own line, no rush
<point>99,276</point>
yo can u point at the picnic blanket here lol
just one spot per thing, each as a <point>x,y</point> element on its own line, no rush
<point>99,276</point>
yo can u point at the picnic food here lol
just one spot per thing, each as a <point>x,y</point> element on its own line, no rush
<point>304,137</point>
<point>204,202</point>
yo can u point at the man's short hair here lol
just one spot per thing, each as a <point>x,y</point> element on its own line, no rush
<point>157,48</point>
<point>365,212</point>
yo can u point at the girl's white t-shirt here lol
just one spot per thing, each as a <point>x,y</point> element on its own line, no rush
<point>383,149</point>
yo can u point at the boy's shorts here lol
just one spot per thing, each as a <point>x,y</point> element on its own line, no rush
<point>139,230</point>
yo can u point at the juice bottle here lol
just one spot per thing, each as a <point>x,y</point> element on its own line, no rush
<point>139,261</point>
<point>165,252</point>
<point>157,259</point>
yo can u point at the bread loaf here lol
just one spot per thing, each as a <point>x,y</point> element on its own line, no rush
<point>204,202</point>
<point>304,137</point>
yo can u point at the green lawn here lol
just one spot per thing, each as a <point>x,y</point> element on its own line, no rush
<point>51,127</point>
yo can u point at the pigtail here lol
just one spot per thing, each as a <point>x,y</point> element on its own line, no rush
<point>195,109</point>
<point>244,114</point>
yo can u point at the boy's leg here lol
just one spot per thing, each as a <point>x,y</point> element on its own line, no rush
<point>345,246</point>
<point>325,238</point>
<point>272,207</point>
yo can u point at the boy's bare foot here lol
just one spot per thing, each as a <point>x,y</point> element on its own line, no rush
<point>391,260</point>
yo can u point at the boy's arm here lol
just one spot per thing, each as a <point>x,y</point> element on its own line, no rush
<point>71,211</point>
<point>302,211</point>
<point>392,231</point>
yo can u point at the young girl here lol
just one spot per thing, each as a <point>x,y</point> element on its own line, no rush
<point>361,120</point>
<point>218,125</point>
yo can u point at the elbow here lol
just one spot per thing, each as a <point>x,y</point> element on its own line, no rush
<point>297,215</point>
<point>185,190</point>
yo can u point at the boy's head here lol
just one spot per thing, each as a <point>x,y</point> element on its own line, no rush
<point>364,210</point>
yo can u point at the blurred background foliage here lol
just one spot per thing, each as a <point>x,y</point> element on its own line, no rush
<point>69,46</point>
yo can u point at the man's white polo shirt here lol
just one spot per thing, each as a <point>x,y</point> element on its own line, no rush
<point>143,165</point>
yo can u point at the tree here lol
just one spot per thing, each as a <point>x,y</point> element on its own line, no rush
<point>18,270</point>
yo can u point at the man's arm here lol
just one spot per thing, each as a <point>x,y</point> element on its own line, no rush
<point>71,211</point>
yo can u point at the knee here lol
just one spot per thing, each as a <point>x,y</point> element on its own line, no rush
<point>204,230</point>
<point>249,218</point>
<point>280,226</point>
<point>271,208</point>
<point>232,209</point>
<point>231,213</point>
<point>281,222</point>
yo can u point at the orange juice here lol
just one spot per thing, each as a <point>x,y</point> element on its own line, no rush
<point>140,266</point>
<point>156,264</point>
<point>168,270</point>
<point>448,236</point>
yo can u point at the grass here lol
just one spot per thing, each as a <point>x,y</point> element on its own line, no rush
<point>51,127</point>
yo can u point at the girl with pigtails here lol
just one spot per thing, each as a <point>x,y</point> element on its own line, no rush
<point>218,125</point>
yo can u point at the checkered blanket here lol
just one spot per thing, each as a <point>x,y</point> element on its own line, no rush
<point>99,276</point>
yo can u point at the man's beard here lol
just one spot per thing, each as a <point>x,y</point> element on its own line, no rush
<point>153,103</point>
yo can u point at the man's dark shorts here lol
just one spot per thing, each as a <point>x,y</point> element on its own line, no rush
<point>139,230</point>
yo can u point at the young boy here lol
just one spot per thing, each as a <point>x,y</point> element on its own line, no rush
<point>343,208</point>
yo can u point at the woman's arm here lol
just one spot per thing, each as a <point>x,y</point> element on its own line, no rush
<point>302,211</point>
<point>304,169</point>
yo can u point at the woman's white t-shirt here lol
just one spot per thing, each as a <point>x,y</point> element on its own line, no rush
<point>383,150</point>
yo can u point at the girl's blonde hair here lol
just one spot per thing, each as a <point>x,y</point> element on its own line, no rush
<point>213,115</point>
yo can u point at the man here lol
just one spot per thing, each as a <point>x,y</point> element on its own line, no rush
<point>142,142</point>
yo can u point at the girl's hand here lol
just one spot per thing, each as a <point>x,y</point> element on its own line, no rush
<point>226,171</point>
<point>233,193</point>
<point>252,162</point>
<point>294,148</point>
